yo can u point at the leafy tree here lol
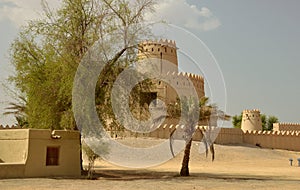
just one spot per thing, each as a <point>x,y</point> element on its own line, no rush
<point>237,121</point>
<point>47,52</point>
<point>264,120</point>
<point>271,120</point>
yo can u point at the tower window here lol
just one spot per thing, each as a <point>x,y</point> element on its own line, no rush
<point>52,156</point>
<point>152,49</point>
<point>158,49</point>
<point>166,50</point>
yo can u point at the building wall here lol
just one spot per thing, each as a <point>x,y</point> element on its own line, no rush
<point>285,140</point>
<point>286,127</point>
<point>274,139</point>
<point>160,50</point>
<point>165,54</point>
<point>31,151</point>
<point>13,146</point>
<point>251,120</point>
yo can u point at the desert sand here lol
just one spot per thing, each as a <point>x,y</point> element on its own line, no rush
<point>235,167</point>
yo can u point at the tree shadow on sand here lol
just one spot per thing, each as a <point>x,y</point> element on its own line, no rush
<point>131,175</point>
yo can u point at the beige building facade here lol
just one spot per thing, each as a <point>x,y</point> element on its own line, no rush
<point>39,153</point>
<point>251,120</point>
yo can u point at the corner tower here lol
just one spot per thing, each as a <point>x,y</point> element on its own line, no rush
<point>251,120</point>
<point>161,50</point>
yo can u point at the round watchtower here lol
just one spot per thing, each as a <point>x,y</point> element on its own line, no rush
<point>161,50</point>
<point>251,120</point>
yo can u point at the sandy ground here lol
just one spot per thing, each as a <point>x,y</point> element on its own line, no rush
<point>235,167</point>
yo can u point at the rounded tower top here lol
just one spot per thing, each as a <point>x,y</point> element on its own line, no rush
<point>161,50</point>
<point>251,120</point>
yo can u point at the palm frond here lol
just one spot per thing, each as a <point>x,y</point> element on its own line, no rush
<point>171,140</point>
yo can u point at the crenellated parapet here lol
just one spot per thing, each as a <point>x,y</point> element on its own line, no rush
<point>160,42</point>
<point>162,51</point>
<point>9,127</point>
<point>274,133</point>
<point>286,126</point>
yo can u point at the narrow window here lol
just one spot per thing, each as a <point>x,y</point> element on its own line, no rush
<point>158,49</point>
<point>166,50</point>
<point>52,156</point>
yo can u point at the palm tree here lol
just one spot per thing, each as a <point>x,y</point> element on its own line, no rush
<point>18,109</point>
<point>193,117</point>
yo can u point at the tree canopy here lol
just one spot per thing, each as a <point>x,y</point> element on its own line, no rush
<point>48,50</point>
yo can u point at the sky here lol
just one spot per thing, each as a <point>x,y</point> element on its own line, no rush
<point>256,45</point>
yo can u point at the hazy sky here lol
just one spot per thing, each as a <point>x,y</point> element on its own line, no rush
<point>255,42</point>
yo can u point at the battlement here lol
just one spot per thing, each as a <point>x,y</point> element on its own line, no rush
<point>286,126</point>
<point>9,127</point>
<point>185,74</point>
<point>161,42</point>
<point>252,111</point>
<point>289,124</point>
<point>274,133</point>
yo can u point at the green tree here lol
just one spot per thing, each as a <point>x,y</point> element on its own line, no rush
<point>264,120</point>
<point>271,119</point>
<point>187,109</point>
<point>237,121</point>
<point>47,52</point>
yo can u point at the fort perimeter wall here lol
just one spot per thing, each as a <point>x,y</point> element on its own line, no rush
<point>286,140</point>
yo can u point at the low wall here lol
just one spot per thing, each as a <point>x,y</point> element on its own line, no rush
<point>230,136</point>
<point>274,139</point>
<point>286,127</point>
<point>286,140</point>
<point>224,136</point>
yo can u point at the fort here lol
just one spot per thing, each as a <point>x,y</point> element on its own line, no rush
<point>163,54</point>
<point>42,153</point>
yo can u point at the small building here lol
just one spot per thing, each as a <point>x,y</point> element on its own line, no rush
<point>39,153</point>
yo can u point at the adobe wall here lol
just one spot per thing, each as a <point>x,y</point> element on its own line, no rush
<point>274,139</point>
<point>69,153</point>
<point>24,152</point>
<point>225,135</point>
<point>286,140</point>
<point>251,120</point>
<point>230,136</point>
<point>13,145</point>
<point>286,127</point>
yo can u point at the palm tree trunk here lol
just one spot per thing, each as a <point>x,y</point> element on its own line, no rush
<point>185,162</point>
